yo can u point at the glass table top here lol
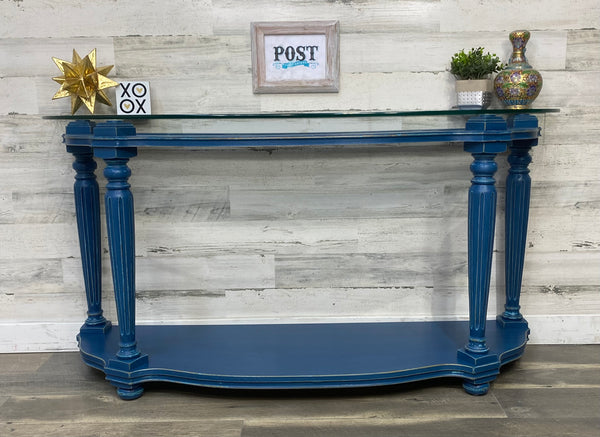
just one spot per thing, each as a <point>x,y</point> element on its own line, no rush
<point>309,114</point>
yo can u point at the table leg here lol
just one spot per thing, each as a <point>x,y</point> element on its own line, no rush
<point>481,229</point>
<point>87,209</point>
<point>518,191</point>
<point>482,220</point>
<point>121,239</point>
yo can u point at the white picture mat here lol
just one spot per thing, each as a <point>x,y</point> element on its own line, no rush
<point>293,72</point>
<point>295,57</point>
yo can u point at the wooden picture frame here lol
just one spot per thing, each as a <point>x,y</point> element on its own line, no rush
<point>296,57</point>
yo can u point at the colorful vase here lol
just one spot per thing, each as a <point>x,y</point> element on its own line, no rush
<point>518,85</point>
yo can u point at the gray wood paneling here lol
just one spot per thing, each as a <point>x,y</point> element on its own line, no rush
<point>411,16</point>
<point>318,234</point>
<point>40,19</point>
<point>583,49</point>
<point>112,428</point>
<point>550,391</point>
<point>472,15</point>
<point>462,427</point>
<point>561,405</point>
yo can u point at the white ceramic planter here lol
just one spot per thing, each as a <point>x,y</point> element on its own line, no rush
<point>474,94</point>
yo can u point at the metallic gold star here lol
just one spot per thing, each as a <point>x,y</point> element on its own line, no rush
<point>83,81</point>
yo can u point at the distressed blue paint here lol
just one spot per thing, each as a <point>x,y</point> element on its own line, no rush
<point>304,139</point>
<point>121,239</point>
<point>518,192</point>
<point>481,226</point>
<point>87,208</point>
<point>306,356</point>
<point>120,226</point>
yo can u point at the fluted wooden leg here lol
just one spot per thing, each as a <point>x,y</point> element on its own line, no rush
<point>518,192</point>
<point>482,220</point>
<point>481,229</point>
<point>121,239</point>
<point>87,209</point>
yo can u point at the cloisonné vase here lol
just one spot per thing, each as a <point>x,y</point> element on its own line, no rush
<point>518,85</point>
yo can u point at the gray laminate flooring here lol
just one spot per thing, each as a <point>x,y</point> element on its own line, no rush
<point>552,391</point>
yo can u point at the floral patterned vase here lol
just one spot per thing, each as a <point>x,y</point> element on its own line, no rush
<point>518,84</point>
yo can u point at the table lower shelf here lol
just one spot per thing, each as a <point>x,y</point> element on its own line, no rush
<point>303,355</point>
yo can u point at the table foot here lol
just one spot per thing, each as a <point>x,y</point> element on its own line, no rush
<point>130,393</point>
<point>476,389</point>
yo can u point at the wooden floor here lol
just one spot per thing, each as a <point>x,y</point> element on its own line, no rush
<point>551,391</point>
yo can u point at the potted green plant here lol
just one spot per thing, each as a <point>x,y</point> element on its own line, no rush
<point>473,71</point>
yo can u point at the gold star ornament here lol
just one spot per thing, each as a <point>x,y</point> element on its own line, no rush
<point>83,81</point>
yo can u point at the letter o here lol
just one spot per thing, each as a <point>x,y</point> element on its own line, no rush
<point>134,91</point>
<point>124,109</point>
<point>290,53</point>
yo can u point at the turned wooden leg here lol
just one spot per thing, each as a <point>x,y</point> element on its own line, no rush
<point>518,192</point>
<point>482,220</point>
<point>87,209</point>
<point>121,239</point>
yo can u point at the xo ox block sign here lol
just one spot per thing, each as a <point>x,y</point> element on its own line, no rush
<point>133,98</point>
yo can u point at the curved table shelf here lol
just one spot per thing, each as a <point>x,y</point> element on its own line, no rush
<point>291,356</point>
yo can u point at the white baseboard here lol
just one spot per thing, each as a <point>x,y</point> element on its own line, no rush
<point>51,337</point>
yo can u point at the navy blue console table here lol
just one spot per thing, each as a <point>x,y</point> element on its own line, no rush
<point>303,355</point>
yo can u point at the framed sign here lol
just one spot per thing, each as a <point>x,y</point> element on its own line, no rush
<point>296,57</point>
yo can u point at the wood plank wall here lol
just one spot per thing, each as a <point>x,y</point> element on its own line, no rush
<point>296,235</point>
